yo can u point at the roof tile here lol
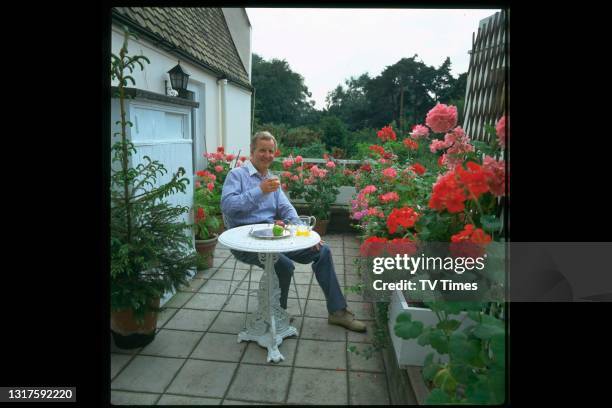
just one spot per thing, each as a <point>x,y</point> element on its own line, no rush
<point>200,32</point>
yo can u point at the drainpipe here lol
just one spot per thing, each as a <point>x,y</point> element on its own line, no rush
<point>222,92</point>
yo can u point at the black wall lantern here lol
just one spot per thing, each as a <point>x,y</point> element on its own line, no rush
<point>179,79</point>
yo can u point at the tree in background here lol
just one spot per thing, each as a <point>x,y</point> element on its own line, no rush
<point>402,94</point>
<point>350,104</point>
<point>280,94</point>
<point>334,132</point>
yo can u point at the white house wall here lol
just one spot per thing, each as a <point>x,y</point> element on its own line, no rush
<point>207,116</point>
<point>238,119</point>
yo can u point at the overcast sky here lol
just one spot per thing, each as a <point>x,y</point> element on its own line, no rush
<point>327,46</point>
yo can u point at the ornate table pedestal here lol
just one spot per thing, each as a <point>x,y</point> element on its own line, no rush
<point>270,324</point>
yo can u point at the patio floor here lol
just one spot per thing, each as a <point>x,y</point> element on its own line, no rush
<point>195,358</point>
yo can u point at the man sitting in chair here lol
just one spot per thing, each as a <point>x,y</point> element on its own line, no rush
<point>250,197</point>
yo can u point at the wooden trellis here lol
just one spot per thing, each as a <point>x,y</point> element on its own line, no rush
<point>485,99</point>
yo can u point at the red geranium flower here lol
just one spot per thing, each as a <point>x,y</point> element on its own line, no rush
<point>470,242</point>
<point>378,149</point>
<point>401,246</point>
<point>475,179</point>
<point>418,168</point>
<point>405,217</point>
<point>373,246</point>
<point>386,133</point>
<point>410,144</point>
<point>200,215</point>
<point>448,194</point>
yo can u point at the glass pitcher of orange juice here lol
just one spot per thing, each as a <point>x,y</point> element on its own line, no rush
<point>305,225</point>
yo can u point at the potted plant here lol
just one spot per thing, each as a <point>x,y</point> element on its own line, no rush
<point>212,177</point>
<point>408,193</point>
<point>151,252</point>
<point>317,186</point>
<point>207,221</point>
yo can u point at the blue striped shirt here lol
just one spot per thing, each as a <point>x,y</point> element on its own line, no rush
<point>243,202</point>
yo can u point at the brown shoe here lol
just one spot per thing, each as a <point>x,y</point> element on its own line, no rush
<point>346,318</point>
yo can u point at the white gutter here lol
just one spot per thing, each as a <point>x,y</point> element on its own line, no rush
<point>222,92</point>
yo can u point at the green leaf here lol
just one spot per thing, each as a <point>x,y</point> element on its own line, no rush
<point>490,223</point>
<point>445,380</point>
<point>448,325</point>
<point>425,337</point>
<point>498,346</point>
<point>497,385</point>
<point>439,341</point>
<point>461,349</point>
<point>406,328</point>
<point>437,397</point>
<point>430,370</point>
<point>478,393</point>
<point>486,331</point>
<point>464,373</point>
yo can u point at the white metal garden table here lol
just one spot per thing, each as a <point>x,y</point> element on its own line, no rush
<point>270,324</point>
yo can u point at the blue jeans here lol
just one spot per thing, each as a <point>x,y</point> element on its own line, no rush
<point>322,266</point>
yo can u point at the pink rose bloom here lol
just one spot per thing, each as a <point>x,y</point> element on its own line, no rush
<point>294,178</point>
<point>230,157</point>
<point>299,159</point>
<point>218,169</point>
<point>437,145</point>
<point>212,160</point>
<point>392,196</point>
<point>419,132</point>
<point>284,186</point>
<point>308,181</point>
<point>287,163</point>
<point>210,186</point>
<point>197,184</point>
<point>360,214</point>
<point>451,161</point>
<point>286,174</point>
<point>330,165</point>
<point>442,118</point>
<point>382,161</point>
<point>369,189</point>
<point>389,173</point>
<point>500,129</point>
<point>459,141</point>
<point>496,175</point>
<point>299,168</point>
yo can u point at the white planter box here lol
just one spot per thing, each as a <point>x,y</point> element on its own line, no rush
<point>409,352</point>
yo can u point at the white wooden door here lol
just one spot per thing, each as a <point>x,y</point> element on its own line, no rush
<point>163,133</point>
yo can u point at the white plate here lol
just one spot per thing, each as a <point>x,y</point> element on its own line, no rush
<point>266,233</point>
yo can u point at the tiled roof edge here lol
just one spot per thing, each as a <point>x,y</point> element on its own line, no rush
<point>169,47</point>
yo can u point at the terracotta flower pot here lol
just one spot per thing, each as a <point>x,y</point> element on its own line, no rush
<point>321,227</point>
<point>128,333</point>
<point>206,248</point>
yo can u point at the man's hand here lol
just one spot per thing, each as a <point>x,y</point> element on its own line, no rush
<point>279,222</point>
<point>318,246</point>
<point>269,185</point>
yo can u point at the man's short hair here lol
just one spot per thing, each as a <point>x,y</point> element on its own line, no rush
<point>264,135</point>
